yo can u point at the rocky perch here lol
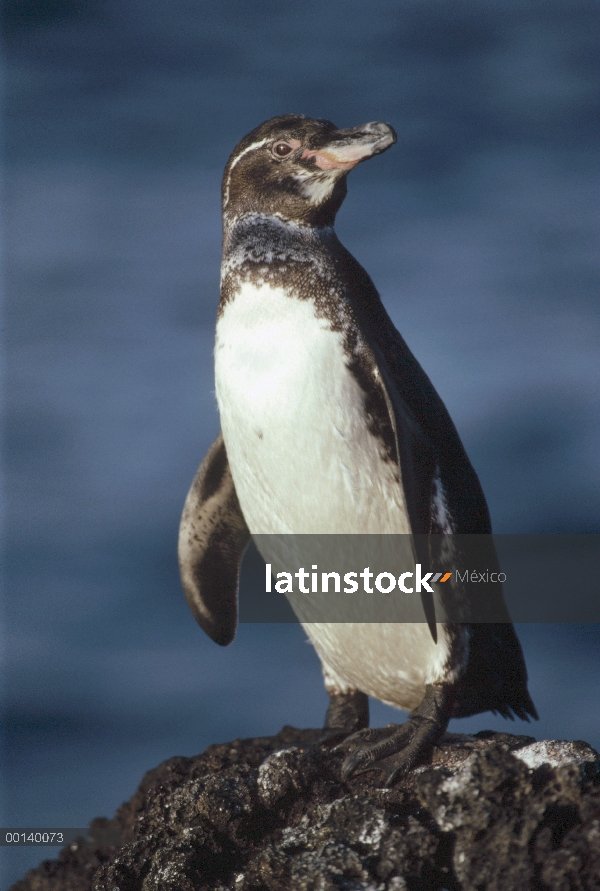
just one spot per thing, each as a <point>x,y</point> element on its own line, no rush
<point>491,811</point>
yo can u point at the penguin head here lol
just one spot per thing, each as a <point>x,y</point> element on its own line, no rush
<point>296,168</point>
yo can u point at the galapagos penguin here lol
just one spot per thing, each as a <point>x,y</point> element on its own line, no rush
<point>330,425</point>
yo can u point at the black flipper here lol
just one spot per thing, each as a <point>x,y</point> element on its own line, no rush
<point>212,539</point>
<point>428,444</point>
<point>418,467</point>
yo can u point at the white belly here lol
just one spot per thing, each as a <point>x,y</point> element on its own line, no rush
<point>303,461</point>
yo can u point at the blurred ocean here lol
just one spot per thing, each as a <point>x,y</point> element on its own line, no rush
<point>481,229</point>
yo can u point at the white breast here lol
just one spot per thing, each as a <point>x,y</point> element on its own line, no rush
<point>303,461</point>
<point>301,455</point>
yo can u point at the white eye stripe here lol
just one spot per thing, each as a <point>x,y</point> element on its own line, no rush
<point>250,148</point>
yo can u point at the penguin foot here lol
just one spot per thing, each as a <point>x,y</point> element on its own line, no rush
<point>394,749</point>
<point>347,713</point>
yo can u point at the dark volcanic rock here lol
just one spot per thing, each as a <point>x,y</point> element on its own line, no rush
<point>495,812</point>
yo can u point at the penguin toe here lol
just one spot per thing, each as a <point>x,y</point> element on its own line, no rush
<point>391,750</point>
<point>363,738</point>
<point>368,747</point>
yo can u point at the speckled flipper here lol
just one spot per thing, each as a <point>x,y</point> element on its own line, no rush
<point>212,539</point>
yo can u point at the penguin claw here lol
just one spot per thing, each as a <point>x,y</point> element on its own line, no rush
<point>367,735</point>
<point>395,749</point>
<point>366,756</point>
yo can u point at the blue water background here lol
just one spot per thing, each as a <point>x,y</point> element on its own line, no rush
<point>480,229</point>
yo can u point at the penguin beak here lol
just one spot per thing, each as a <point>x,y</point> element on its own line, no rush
<point>347,148</point>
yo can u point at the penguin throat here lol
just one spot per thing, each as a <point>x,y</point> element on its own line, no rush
<point>266,241</point>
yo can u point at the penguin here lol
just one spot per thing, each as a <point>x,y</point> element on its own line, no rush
<point>329,425</point>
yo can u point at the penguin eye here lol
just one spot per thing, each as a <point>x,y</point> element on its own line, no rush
<point>281,149</point>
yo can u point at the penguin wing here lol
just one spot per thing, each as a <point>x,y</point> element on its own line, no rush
<point>415,454</point>
<point>212,539</point>
<point>428,443</point>
<point>429,451</point>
